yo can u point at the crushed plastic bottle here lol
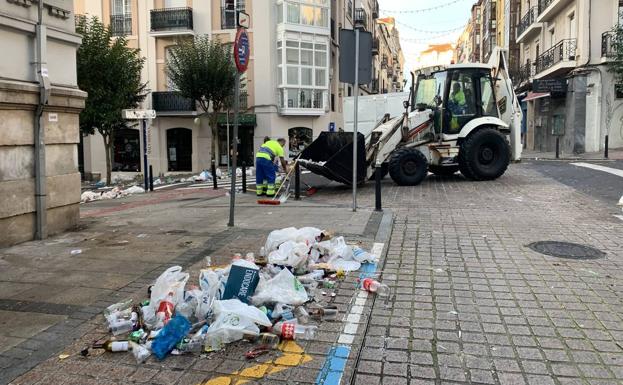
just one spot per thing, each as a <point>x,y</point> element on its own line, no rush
<point>302,316</point>
<point>282,310</point>
<point>122,326</point>
<point>374,286</point>
<point>115,309</point>
<point>328,313</point>
<point>192,345</point>
<point>314,276</point>
<point>293,331</point>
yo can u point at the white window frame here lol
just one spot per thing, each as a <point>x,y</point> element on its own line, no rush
<point>283,8</point>
<point>317,107</point>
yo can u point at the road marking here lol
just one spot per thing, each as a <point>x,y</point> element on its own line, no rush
<point>610,170</point>
<point>333,367</point>
<point>293,356</point>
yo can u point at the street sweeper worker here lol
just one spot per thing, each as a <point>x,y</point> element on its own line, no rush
<point>265,171</point>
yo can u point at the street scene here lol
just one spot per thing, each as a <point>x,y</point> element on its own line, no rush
<point>311,192</point>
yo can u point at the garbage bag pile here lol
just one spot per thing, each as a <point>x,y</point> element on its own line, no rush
<point>276,296</point>
<point>114,193</point>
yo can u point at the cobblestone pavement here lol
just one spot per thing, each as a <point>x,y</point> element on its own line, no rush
<point>474,305</point>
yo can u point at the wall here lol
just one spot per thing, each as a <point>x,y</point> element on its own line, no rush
<point>19,96</point>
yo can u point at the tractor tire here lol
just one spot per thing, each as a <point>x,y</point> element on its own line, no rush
<point>384,171</point>
<point>408,167</point>
<point>443,170</point>
<point>484,155</point>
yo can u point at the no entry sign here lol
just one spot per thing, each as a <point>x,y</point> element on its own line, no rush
<point>242,50</point>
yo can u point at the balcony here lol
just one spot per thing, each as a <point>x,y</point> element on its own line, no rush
<point>375,46</point>
<point>608,50</point>
<point>390,71</point>
<point>384,61</point>
<point>560,57</point>
<point>121,25</point>
<point>244,101</point>
<point>303,101</point>
<point>172,103</point>
<point>527,26</point>
<point>172,21</point>
<point>375,10</point>
<point>548,9</point>
<point>525,73</point>
<point>361,18</point>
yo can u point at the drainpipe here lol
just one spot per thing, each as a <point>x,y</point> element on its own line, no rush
<point>41,230</point>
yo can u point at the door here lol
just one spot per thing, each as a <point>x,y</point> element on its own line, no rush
<point>179,149</point>
<point>461,105</point>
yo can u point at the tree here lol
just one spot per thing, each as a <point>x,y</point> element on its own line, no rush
<point>110,72</point>
<point>615,66</point>
<point>203,70</point>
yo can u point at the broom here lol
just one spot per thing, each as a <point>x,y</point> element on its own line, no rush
<point>274,201</point>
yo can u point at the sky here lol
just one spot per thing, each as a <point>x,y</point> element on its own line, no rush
<point>418,29</point>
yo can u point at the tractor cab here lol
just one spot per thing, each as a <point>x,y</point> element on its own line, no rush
<point>456,95</point>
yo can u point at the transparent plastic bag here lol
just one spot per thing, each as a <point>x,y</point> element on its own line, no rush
<point>171,281</point>
<point>283,288</point>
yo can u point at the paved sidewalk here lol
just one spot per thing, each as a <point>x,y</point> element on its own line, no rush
<point>613,154</point>
<point>52,299</point>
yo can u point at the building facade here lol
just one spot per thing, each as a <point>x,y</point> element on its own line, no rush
<point>569,93</point>
<point>435,54</point>
<point>291,88</point>
<point>476,33</point>
<point>27,212</point>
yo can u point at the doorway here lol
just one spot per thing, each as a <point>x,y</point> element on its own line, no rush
<point>179,149</point>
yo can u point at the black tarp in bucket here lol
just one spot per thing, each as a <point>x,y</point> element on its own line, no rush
<point>335,149</point>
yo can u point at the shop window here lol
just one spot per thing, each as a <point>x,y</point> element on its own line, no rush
<point>127,150</point>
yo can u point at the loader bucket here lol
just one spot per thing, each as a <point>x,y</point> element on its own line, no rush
<point>331,155</point>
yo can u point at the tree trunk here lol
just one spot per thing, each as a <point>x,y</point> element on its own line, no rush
<point>107,150</point>
<point>214,129</point>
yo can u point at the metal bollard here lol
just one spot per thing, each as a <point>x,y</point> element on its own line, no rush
<point>377,190</point>
<point>297,181</point>
<point>557,147</point>
<point>244,177</point>
<point>606,147</point>
<point>151,178</point>
<point>214,181</point>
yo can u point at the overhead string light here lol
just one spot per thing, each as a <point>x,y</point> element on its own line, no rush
<point>431,32</point>
<point>423,9</point>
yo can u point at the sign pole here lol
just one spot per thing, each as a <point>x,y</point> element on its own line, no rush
<point>146,165</point>
<point>355,117</point>
<point>234,146</point>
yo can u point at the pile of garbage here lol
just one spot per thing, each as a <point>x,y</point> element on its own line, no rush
<point>114,193</point>
<point>276,296</point>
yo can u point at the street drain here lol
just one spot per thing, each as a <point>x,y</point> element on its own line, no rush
<point>566,250</point>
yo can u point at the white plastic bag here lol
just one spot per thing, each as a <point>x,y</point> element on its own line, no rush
<point>189,305</point>
<point>141,352</point>
<point>284,288</point>
<point>233,320</point>
<point>335,248</point>
<point>277,237</point>
<point>360,255</point>
<point>212,286</point>
<point>289,253</point>
<point>308,235</point>
<point>242,309</point>
<point>134,190</point>
<point>171,281</point>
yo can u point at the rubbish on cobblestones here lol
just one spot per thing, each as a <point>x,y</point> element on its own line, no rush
<point>242,301</point>
<point>374,286</point>
<point>76,252</point>
<point>63,356</point>
<point>134,190</point>
<point>157,182</point>
<point>620,204</point>
<point>89,196</point>
<point>112,346</point>
<point>242,281</point>
<point>169,336</point>
<point>219,173</point>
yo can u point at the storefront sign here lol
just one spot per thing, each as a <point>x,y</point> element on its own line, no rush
<point>549,85</point>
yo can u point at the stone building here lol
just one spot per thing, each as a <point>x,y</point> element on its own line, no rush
<point>28,212</point>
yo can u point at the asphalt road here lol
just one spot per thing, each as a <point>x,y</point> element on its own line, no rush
<point>600,185</point>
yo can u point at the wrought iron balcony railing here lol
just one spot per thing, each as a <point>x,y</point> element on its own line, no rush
<point>171,101</point>
<point>375,46</point>
<point>121,25</point>
<point>527,20</point>
<point>168,19</point>
<point>607,44</point>
<point>525,72</point>
<point>361,18</point>
<point>375,10</point>
<point>543,4</point>
<point>563,51</point>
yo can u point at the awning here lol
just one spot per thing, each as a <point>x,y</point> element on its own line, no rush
<point>536,95</point>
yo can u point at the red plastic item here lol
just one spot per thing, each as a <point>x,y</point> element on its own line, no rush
<point>166,307</point>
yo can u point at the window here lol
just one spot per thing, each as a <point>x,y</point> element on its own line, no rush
<point>487,97</point>
<point>306,12</point>
<point>121,17</point>
<point>121,7</point>
<point>228,13</point>
<point>304,67</point>
<point>618,91</point>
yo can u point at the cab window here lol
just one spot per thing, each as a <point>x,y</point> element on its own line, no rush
<point>489,107</point>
